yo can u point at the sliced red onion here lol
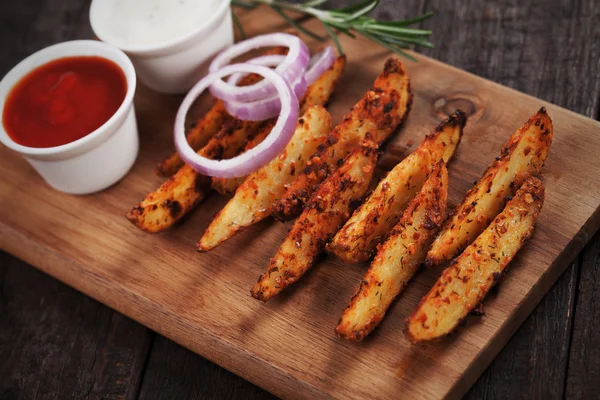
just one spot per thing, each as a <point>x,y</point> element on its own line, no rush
<point>268,108</point>
<point>260,155</point>
<point>319,63</point>
<point>271,60</point>
<point>264,109</point>
<point>294,64</point>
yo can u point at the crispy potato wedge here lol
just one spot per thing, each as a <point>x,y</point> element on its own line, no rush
<point>398,258</point>
<point>378,113</point>
<point>372,221</point>
<point>209,125</point>
<point>255,197</point>
<point>464,284</point>
<point>198,136</point>
<point>184,190</point>
<point>369,225</point>
<point>327,210</point>
<point>523,155</point>
<point>228,186</point>
<point>318,93</point>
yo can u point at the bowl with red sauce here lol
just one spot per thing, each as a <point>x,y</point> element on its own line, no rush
<point>68,110</point>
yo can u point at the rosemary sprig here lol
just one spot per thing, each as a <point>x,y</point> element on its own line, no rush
<point>238,25</point>
<point>393,35</point>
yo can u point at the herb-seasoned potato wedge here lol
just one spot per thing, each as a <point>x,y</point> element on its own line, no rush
<point>209,125</point>
<point>378,113</point>
<point>522,156</point>
<point>398,258</point>
<point>255,197</point>
<point>318,93</point>
<point>184,190</point>
<point>357,241</point>
<point>204,128</point>
<point>464,284</point>
<point>327,210</point>
<point>228,186</point>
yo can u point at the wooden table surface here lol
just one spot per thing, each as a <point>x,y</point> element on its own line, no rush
<point>57,343</point>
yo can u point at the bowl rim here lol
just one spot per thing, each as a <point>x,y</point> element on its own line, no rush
<point>73,48</point>
<point>148,49</point>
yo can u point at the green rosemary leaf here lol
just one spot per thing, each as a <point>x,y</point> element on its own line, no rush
<point>335,39</point>
<point>393,35</point>
<point>356,10</point>
<point>345,31</point>
<point>238,25</point>
<point>419,41</point>
<point>297,25</point>
<point>358,14</point>
<point>388,46</point>
<point>407,22</point>
<point>314,3</point>
<point>396,29</point>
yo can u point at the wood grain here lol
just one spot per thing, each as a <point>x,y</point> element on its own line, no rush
<point>176,373</point>
<point>109,203</point>
<point>43,357</point>
<point>584,361</point>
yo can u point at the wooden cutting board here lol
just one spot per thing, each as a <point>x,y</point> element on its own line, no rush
<point>287,346</point>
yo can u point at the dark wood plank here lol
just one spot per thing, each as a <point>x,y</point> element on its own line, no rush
<point>174,372</point>
<point>533,364</point>
<point>583,373</point>
<point>515,43</point>
<point>58,343</point>
<point>28,26</point>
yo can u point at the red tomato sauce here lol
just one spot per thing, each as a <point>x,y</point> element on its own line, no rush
<point>63,100</point>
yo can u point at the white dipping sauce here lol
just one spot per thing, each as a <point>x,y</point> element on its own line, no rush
<point>140,23</point>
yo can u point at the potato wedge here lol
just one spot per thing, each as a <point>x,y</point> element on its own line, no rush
<point>255,197</point>
<point>200,133</point>
<point>398,258</point>
<point>357,241</point>
<point>378,113</point>
<point>327,210</point>
<point>228,186</point>
<point>208,125</point>
<point>184,190</point>
<point>523,155</point>
<point>464,284</point>
<point>318,93</point>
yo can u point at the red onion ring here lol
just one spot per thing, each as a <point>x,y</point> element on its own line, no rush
<point>294,64</point>
<point>260,155</point>
<point>318,64</point>
<point>268,108</point>
<point>265,108</point>
<point>262,109</point>
<point>271,60</point>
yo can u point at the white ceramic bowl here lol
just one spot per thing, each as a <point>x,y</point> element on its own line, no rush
<point>95,161</point>
<point>172,67</point>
